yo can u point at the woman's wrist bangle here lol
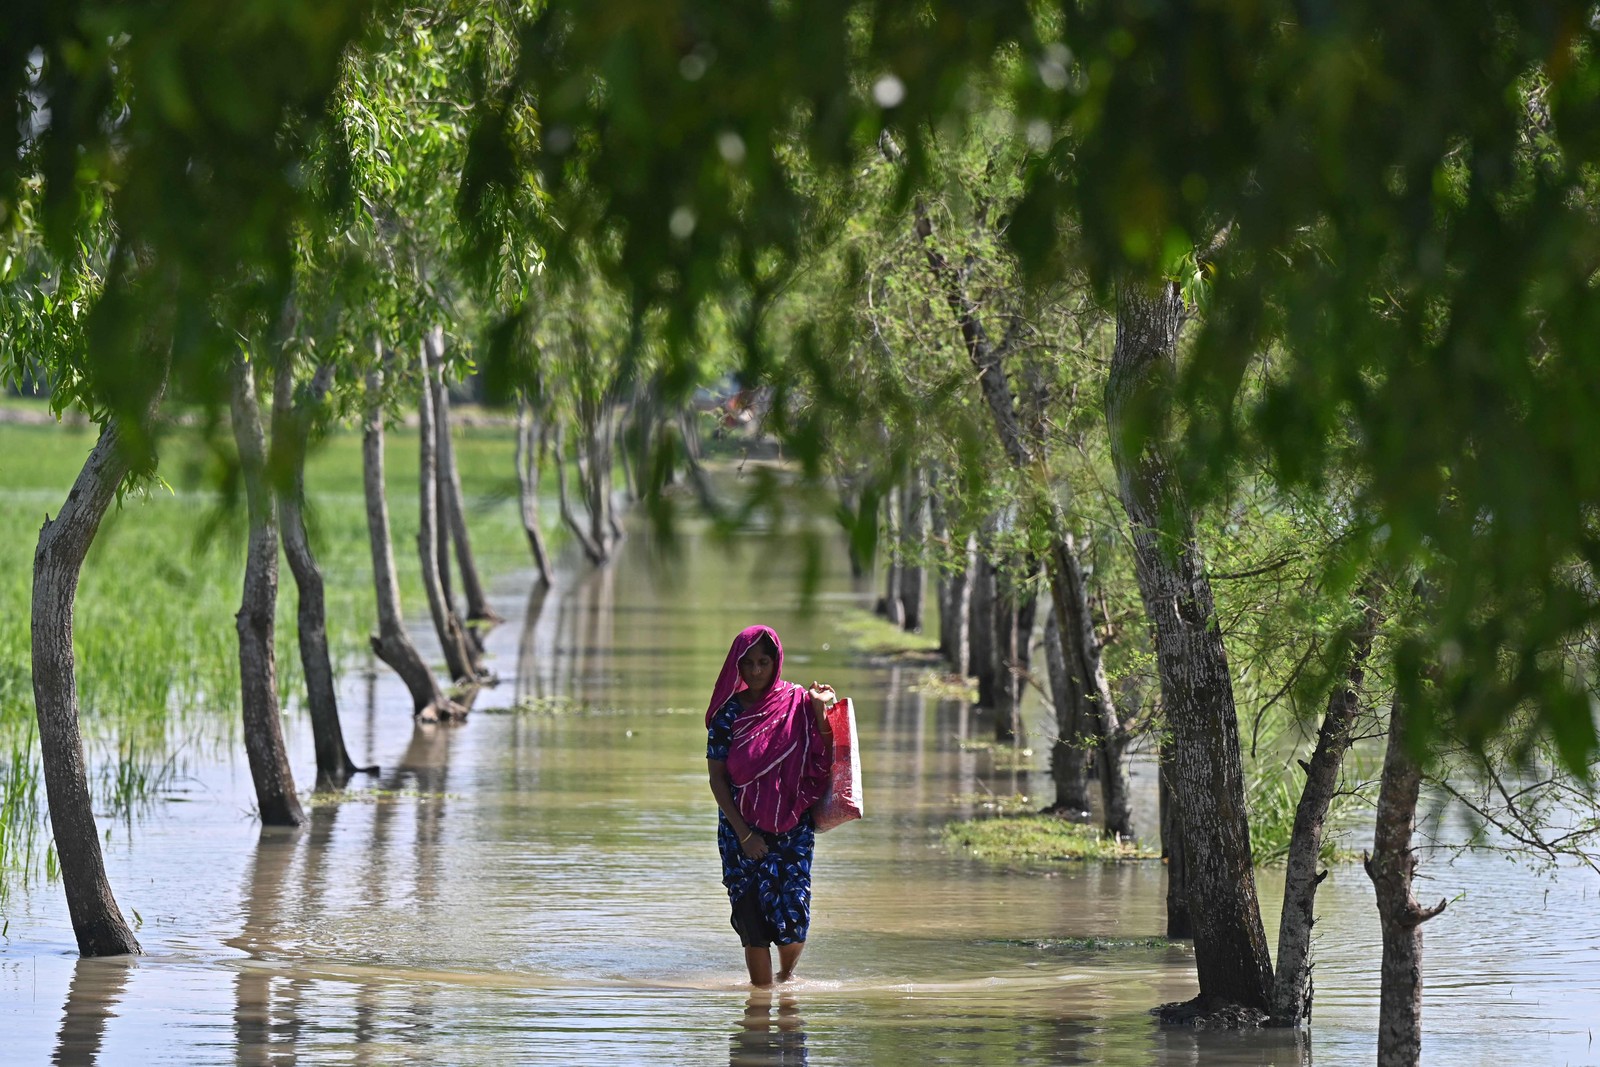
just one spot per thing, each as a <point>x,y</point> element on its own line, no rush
<point>747,837</point>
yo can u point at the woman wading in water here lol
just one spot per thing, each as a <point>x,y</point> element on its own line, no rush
<point>769,751</point>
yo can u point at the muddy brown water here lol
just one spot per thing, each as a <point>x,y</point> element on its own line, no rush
<point>541,887</point>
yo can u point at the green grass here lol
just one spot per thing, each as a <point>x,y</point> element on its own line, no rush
<point>1037,838</point>
<point>157,653</point>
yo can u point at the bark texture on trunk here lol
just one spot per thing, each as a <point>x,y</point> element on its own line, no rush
<point>529,457</point>
<point>452,636</point>
<point>455,516</point>
<point>1069,762</point>
<point>64,542</point>
<point>290,437</point>
<point>391,643</point>
<point>1391,866</point>
<point>1292,987</point>
<point>1180,924</point>
<point>258,667</point>
<point>1196,688</point>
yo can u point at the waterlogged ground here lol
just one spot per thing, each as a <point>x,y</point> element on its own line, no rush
<point>540,887</point>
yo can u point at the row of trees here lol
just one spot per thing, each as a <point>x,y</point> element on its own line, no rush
<point>1114,290</point>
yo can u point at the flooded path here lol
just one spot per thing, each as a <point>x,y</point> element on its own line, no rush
<point>541,886</point>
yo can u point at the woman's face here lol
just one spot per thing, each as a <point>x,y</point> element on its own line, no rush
<point>757,668</point>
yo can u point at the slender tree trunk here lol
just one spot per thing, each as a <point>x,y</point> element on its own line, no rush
<point>258,671</point>
<point>1197,692</point>
<point>913,541</point>
<point>891,606</point>
<point>1069,594</point>
<point>1292,988</point>
<point>64,541</point>
<point>290,432</point>
<point>1391,866</point>
<point>1014,608</point>
<point>1069,768</point>
<point>478,609</point>
<point>528,457</point>
<point>457,657</point>
<point>980,628</point>
<point>850,509</point>
<point>391,643</point>
<point>592,551</point>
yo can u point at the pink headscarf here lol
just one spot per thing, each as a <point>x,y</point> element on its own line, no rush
<point>779,761</point>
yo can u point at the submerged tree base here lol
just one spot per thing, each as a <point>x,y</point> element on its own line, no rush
<point>1210,1013</point>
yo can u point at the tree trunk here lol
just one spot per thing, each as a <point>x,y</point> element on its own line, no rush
<point>454,513</point>
<point>290,433</point>
<point>1014,607</point>
<point>258,669</point>
<point>457,657</point>
<point>1069,765</point>
<point>891,606</point>
<point>391,643</point>
<point>1068,587</point>
<point>594,551</point>
<point>1197,692</point>
<point>1069,594</point>
<point>980,629</point>
<point>1391,867</point>
<point>528,459</point>
<point>1292,988</point>
<point>64,541</point>
<point>1180,924</point>
<point>913,545</point>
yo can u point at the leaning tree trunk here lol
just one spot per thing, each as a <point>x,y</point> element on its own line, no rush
<point>1292,988</point>
<point>452,638</point>
<point>1391,867</point>
<point>290,432</point>
<point>453,502</point>
<point>391,643</point>
<point>258,670</point>
<point>1197,692</point>
<point>594,551</point>
<point>1069,764</point>
<point>64,541</point>
<point>528,459</point>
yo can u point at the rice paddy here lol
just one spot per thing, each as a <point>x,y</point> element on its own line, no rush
<point>155,643</point>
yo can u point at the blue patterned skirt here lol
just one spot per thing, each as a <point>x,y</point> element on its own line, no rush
<point>779,884</point>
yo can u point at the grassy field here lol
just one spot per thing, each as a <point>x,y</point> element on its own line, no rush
<point>155,635</point>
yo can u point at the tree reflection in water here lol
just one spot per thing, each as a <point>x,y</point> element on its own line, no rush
<point>768,1039</point>
<point>97,985</point>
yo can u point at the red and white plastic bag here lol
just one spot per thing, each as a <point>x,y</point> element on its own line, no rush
<point>842,802</point>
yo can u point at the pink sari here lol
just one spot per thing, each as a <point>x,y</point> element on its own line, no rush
<point>779,761</point>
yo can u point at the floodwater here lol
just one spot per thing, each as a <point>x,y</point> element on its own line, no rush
<point>540,886</point>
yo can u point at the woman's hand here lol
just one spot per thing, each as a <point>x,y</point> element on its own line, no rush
<point>754,845</point>
<point>822,696</point>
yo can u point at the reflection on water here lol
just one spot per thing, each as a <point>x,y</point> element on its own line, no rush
<point>541,886</point>
<point>771,1033</point>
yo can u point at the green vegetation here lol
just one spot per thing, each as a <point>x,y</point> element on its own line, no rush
<point>1038,838</point>
<point>155,642</point>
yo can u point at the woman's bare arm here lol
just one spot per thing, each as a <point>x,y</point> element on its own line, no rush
<point>753,844</point>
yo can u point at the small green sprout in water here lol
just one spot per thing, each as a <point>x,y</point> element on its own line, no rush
<point>1033,838</point>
